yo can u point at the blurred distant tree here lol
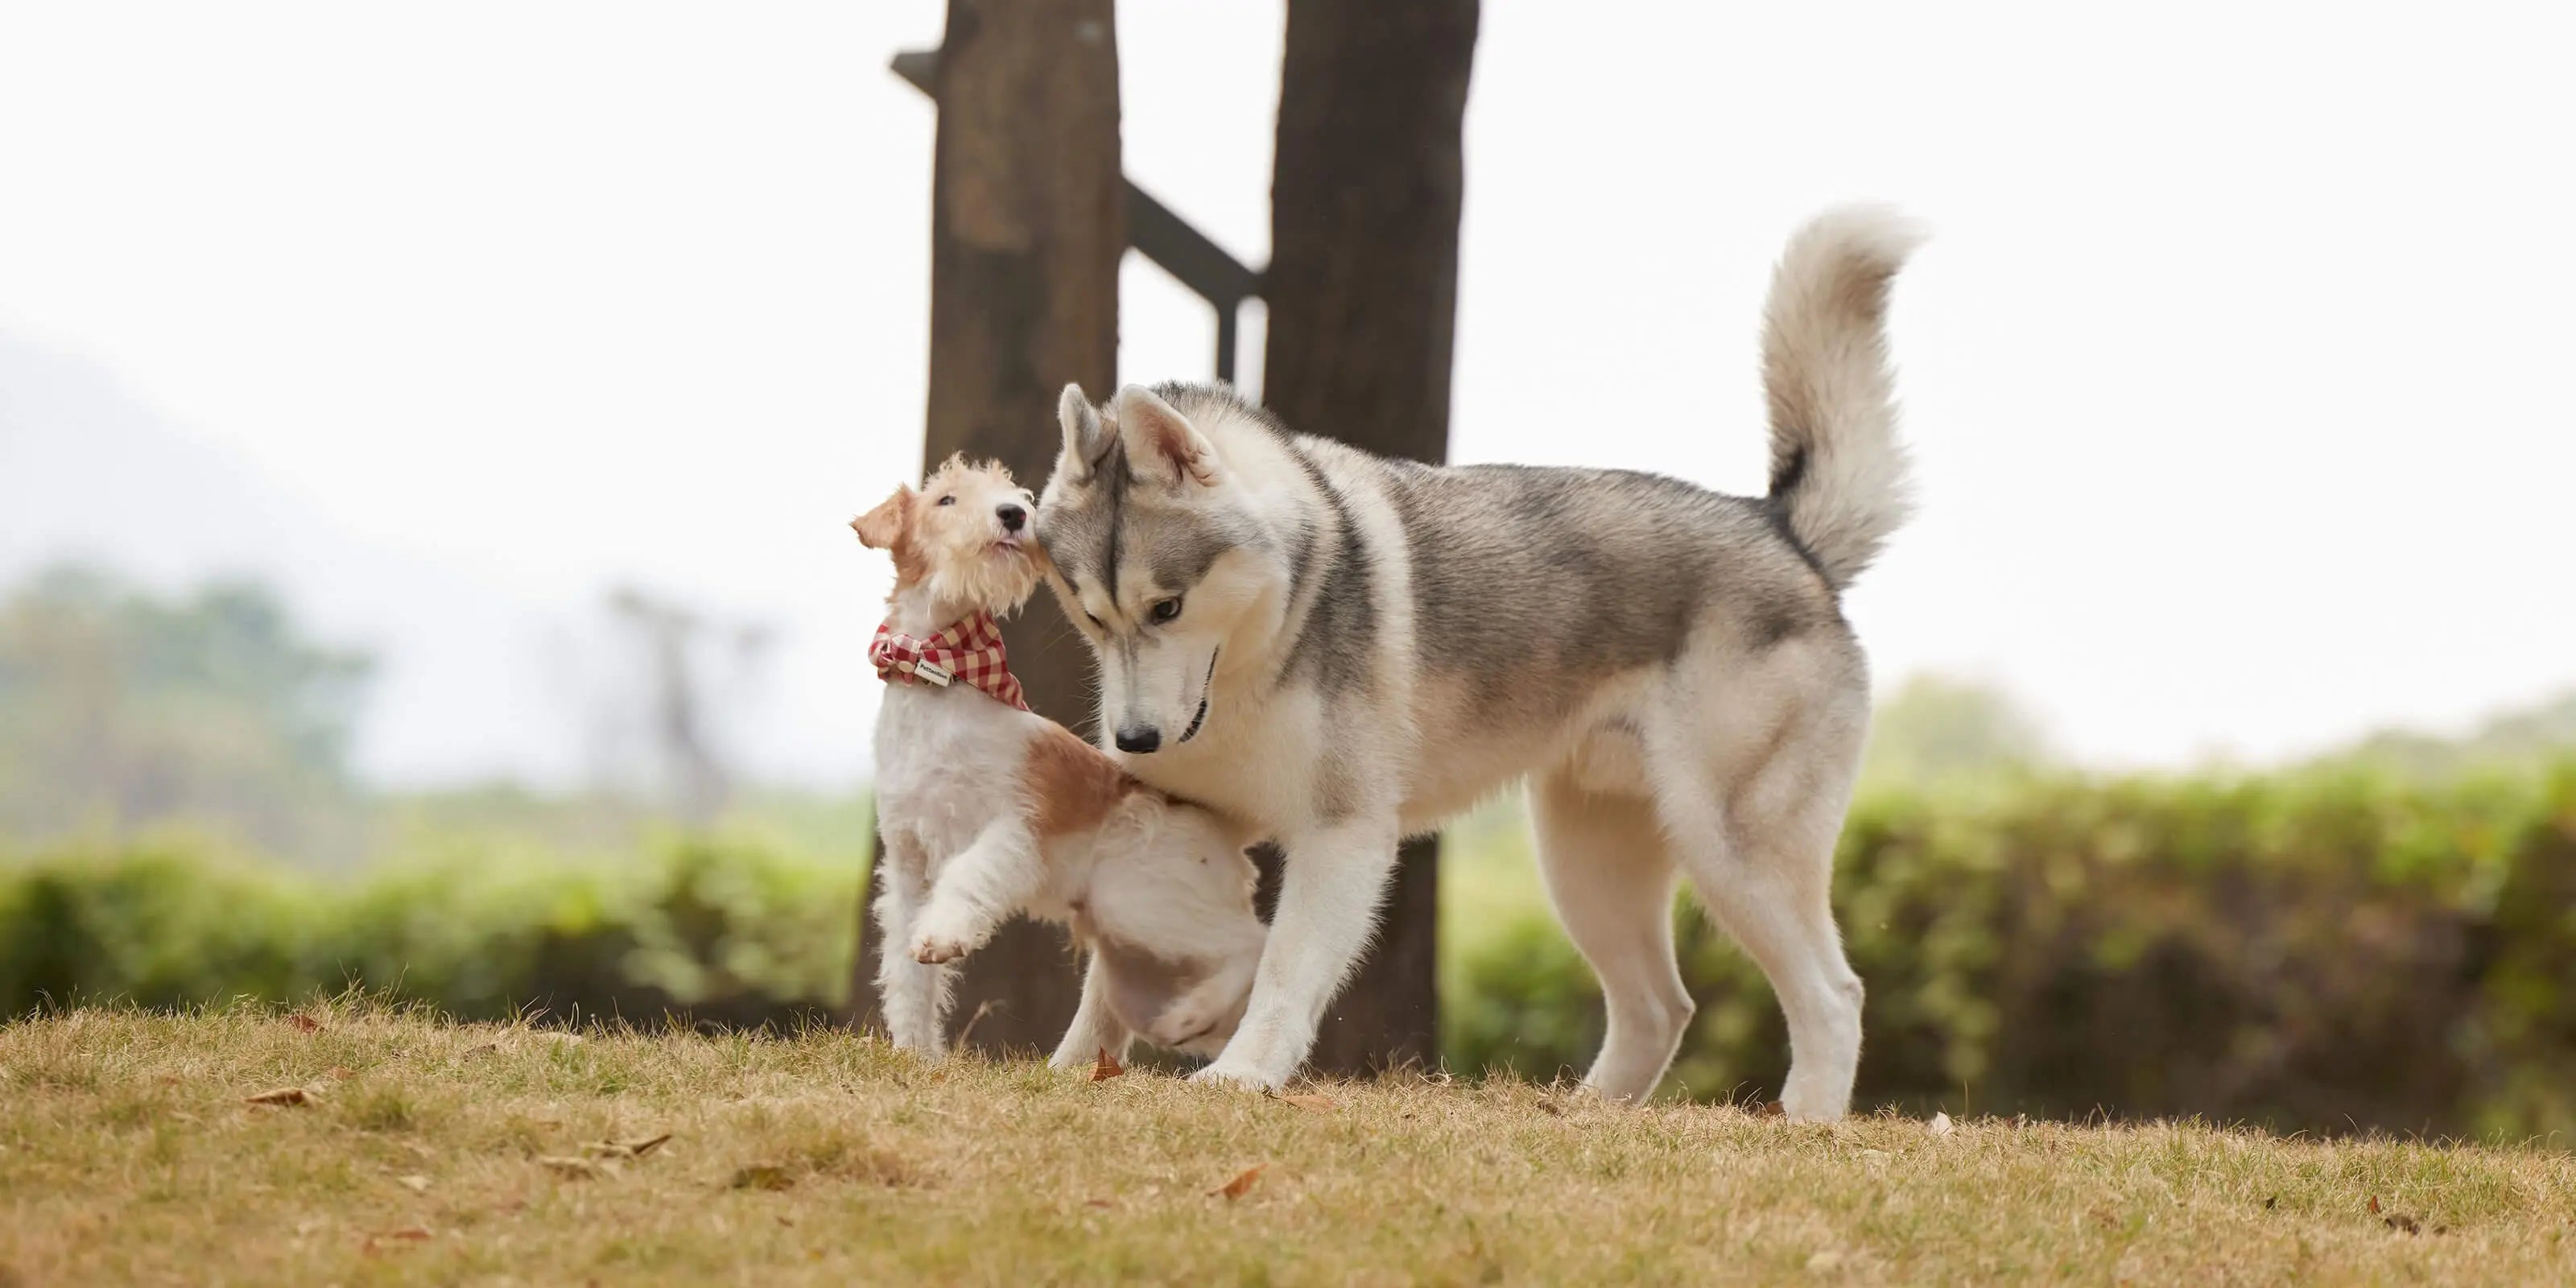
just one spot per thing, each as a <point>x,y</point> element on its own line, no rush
<point>118,707</point>
<point>1934,731</point>
<point>678,682</point>
<point>2521,739</point>
<point>1028,222</point>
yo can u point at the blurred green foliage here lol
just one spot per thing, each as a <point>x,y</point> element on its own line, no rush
<point>2312,952</point>
<point>725,930</point>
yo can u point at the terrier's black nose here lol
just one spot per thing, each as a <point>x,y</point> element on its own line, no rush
<point>1013,517</point>
<point>1136,740</point>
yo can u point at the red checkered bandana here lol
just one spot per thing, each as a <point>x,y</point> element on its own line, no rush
<point>968,651</point>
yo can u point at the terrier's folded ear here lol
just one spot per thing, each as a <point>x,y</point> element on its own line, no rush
<point>883,526</point>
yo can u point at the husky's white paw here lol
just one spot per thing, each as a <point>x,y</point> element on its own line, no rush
<point>1802,1105</point>
<point>1239,1075</point>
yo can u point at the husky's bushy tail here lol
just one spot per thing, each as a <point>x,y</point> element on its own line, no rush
<point>1837,470</point>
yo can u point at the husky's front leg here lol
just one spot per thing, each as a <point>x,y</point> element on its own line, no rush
<point>978,890</point>
<point>1094,1030</point>
<point>1335,877</point>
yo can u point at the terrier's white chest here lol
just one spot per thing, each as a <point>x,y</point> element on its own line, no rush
<point>948,763</point>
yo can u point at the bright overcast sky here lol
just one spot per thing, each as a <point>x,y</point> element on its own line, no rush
<point>2236,368</point>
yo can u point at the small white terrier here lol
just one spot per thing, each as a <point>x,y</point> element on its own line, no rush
<point>987,809</point>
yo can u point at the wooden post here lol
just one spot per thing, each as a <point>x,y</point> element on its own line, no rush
<point>1027,225</point>
<point>1363,295</point>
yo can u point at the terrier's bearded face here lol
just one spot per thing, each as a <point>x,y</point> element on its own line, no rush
<point>964,538</point>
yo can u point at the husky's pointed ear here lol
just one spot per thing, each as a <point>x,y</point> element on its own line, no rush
<point>881,527</point>
<point>1160,440</point>
<point>1087,438</point>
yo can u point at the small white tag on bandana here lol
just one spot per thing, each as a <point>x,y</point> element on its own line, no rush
<point>931,671</point>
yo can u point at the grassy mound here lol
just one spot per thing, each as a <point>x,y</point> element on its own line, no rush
<point>402,1149</point>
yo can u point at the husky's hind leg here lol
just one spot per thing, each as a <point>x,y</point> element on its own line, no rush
<point>1760,850</point>
<point>1611,877</point>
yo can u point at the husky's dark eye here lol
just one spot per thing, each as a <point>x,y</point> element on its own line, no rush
<point>1096,623</point>
<point>1165,610</point>
<point>950,499</point>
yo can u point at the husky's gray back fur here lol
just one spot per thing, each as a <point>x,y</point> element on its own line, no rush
<point>1532,582</point>
<point>1538,582</point>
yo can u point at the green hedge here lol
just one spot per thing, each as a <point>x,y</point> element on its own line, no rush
<point>2309,953</point>
<point>722,930</point>
<point>2319,954</point>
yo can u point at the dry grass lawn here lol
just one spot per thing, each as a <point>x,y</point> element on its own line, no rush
<point>427,1152</point>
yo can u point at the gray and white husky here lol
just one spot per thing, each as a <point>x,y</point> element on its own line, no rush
<point>1344,650</point>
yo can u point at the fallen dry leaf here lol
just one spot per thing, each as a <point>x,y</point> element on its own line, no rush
<point>1241,1184</point>
<point>2374,1205</point>
<point>343,1072</point>
<point>416,1184</point>
<point>283,1096</point>
<point>762,1176</point>
<point>305,1023</point>
<point>1098,1203</point>
<point>1311,1104</point>
<point>409,1234</point>
<point>1107,1067</point>
<point>1940,1124</point>
<point>625,1148</point>
<point>1772,1110</point>
<point>575,1169</point>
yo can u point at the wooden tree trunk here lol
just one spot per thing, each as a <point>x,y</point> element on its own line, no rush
<point>1363,295</point>
<point>1028,222</point>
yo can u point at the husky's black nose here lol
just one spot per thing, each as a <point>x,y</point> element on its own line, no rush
<point>1013,516</point>
<point>1138,739</point>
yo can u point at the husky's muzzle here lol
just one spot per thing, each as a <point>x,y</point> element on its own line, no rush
<point>1141,740</point>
